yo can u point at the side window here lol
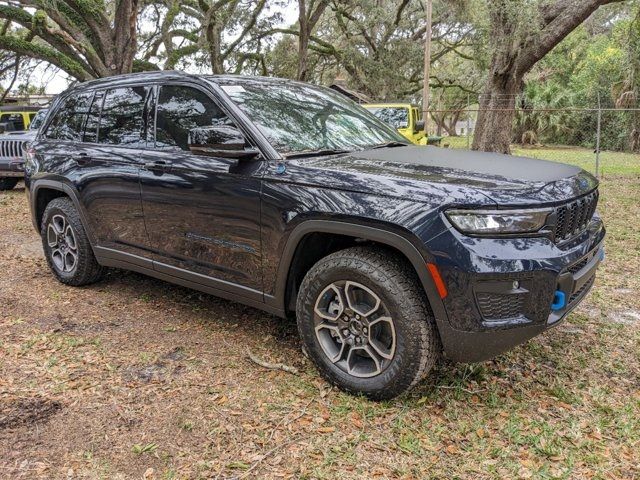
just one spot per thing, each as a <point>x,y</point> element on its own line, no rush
<point>122,119</point>
<point>93,119</point>
<point>16,120</point>
<point>68,121</point>
<point>181,109</point>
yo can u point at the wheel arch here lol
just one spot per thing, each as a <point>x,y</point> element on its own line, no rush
<point>355,232</point>
<point>43,191</point>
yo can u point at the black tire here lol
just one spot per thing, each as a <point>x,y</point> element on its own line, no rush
<point>389,277</point>
<point>85,269</point>
<point>7,183</point>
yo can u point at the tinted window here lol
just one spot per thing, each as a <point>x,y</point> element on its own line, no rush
<point>181,109</point>
<point>93,119</point>
<point>68,122</point>
<point>122,118</point>
<point>15,118</point>
<point>396,117</point>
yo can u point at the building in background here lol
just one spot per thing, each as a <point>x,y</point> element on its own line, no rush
<point>30,100</point>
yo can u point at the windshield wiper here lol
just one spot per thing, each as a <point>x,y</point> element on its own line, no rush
<point>317,153</point>
<point>393,143</point>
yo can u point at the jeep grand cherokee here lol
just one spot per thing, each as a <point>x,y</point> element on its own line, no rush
<point>290,198</point>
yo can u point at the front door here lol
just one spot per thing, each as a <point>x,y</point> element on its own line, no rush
<point>202,213</point>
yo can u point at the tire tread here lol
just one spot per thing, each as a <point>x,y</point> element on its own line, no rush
<point>392,273</point>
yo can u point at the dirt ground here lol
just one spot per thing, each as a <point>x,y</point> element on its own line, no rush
<point>135,378</point>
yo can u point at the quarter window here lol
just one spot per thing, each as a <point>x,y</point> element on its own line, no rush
<point>122,119</point>
<point>181,109</point>
<point>68,122</point>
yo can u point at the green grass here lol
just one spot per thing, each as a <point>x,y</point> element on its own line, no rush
<point>611,163</point>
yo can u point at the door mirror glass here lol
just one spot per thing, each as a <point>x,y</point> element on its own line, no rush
<point>419,126</point>
<point>220,141</point>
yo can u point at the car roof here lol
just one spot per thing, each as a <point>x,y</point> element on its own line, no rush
<point>388,105</point>
<point>168,75</point>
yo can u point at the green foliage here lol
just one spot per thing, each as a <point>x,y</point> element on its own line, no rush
<point>144,66</point>
<point>42,52</point>
<point>18,15</point>
<point>591,65</point>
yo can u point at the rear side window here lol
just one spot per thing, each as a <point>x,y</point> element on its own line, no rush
<point>15,118</point>
<point>122,119</point>
<point>68,121</point>
<point>181,109</point>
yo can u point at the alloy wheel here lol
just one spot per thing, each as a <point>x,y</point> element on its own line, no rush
<point>354,329</point>
<point>63,245</point>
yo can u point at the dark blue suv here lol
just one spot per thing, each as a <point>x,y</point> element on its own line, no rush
<point>292,199</point>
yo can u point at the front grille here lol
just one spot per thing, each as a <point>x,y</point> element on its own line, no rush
<point>496,306</point>
<point>11,149</point>
<point>573,217</point>
<point>583,290</point>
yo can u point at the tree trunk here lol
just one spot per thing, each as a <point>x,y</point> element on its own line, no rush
<point>303,40</point>
<point>496,115</point>
<point>213,36</point>
<point>303,54</point>
<point>307,22</point>
<point>516,50</point>
<point>452,123</point>
<point>124,38</point>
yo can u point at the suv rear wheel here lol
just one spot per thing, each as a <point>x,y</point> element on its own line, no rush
<point>366,323</point>
<point>7,183</point>
<point>66,245</point>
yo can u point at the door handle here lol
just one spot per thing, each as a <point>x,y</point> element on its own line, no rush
<point>158,165</point>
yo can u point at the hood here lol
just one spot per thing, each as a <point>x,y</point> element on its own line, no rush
<point>503,179</point>
<point>19,135</point>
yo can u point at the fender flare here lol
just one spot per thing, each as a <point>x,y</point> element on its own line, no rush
<point>368,233</point>
<point>60,186</point>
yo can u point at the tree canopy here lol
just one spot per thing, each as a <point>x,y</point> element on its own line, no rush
<point>562,52</point>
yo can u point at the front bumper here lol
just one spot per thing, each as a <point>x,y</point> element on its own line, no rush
<point>500,292</point>
<point>10,167</point>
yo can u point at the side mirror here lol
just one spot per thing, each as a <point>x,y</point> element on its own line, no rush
<point>419,126</point>
<point>220,141</point>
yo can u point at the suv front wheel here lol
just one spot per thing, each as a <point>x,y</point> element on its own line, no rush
<point>365,322</point>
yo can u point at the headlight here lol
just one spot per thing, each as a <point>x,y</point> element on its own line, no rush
<point>488,222</point>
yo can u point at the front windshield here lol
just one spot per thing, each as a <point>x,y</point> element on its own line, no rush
<point>397,117</point>
<point>299,118</point>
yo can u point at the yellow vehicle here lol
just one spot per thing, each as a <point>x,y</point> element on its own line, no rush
<point>406,118</point>
<point>16,118</point>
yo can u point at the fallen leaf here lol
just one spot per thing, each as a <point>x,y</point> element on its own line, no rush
<point>326,429</point>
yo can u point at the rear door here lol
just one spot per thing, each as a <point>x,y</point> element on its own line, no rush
<point>115,141</point>
<point>94,141</point>
<point>202,213</point>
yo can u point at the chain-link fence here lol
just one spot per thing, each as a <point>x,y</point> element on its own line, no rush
<point>597,139</point>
